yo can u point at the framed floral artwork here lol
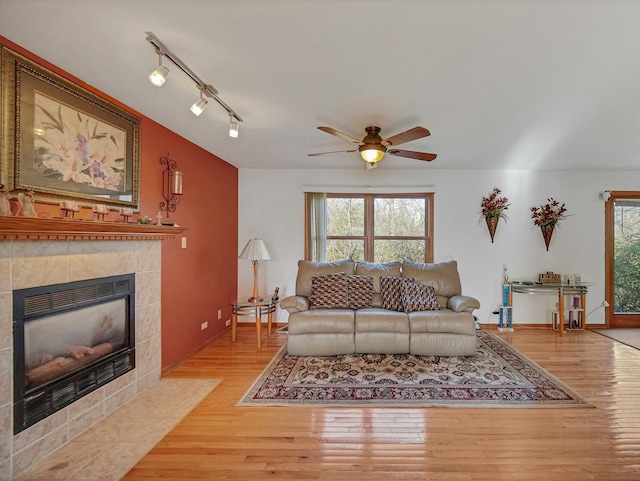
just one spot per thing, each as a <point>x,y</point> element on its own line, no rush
<point>62,141</point>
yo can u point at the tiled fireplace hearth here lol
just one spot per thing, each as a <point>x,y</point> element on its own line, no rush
<point>32,263</point>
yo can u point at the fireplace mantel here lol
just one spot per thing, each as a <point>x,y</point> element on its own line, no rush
<point>72,229</point>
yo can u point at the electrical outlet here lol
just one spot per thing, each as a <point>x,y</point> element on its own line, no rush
<point>219,314</point>
<point>184,242</point>
<point>204,325</point>
<point>228,323</point>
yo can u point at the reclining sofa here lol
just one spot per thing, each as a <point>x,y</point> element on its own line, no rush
<point>398,307</point>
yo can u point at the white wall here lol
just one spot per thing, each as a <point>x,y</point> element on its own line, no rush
<point>271,207</point>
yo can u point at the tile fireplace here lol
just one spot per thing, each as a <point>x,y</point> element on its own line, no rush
<point>26,264</point>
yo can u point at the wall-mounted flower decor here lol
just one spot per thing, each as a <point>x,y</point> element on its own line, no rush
<point>492,209</point>
<point>548,216</point>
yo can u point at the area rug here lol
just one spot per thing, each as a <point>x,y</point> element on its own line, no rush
<point>626,335</point>
<point>496,376</point>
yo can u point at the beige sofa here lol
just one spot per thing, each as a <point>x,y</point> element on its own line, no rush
<point>392,321</point>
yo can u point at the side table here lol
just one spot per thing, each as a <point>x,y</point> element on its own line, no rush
<point>242,307</point>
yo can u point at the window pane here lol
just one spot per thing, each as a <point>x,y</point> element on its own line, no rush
<point>399,217</point>
<point>626,272</point>
<point>339,249</point>
<point>345,216</point>
<point>399,250</point>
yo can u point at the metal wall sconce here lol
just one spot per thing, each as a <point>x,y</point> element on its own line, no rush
<point>171,185</point>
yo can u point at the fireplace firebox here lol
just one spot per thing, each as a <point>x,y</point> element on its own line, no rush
<point>69,340</point>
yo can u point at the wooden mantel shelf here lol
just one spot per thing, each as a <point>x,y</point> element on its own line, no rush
<point>65,229</point>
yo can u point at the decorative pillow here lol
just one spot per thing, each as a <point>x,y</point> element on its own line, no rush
<point>359,291</point>
<point>329,291</point>
<point>418,297</point>
<point>391,293</point>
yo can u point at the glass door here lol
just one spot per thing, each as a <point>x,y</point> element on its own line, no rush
<point>622,269</point>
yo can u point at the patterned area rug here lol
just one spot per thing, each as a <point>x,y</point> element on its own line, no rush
<point>496,376</point>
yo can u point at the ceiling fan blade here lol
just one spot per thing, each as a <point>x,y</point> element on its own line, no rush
<point>333,131</point>
<point>332,152</point>
<point>412,155</point>
<point>408,136</point>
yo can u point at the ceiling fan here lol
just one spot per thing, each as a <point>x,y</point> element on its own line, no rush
<point>373,147</point>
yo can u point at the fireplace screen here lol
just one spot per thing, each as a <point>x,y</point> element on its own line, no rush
<point>59,344</point>
<point>69,339</point>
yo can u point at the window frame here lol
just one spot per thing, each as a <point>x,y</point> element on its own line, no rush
<point>369,236</point>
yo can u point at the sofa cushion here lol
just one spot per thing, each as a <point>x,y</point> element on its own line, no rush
<point>381,320</point>
<point>443,320</point>
<point>391,293</point>
<point>359,291</point>
<point>376,271</point>
<point>309,269</point>
<point>322,321</point>
<point>443,276</point>
<point>418,297</point>
<point>329,291</point>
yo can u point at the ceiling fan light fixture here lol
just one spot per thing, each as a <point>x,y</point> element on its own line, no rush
<point>372,153</point>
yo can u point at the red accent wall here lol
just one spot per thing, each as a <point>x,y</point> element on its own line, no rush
<point>201,279</point>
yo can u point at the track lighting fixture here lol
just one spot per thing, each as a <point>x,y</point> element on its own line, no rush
<point>233,127</point>
<point>159,76</point>
<point>198,107</point>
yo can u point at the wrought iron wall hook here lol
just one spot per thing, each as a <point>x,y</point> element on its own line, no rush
<point>171,185</point>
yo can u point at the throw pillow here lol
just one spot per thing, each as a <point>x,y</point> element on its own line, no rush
<point>329,291</point>
<point>359,291</point>
<point>418,297</point>
<point>390,292</point>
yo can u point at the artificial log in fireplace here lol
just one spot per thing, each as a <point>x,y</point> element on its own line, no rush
<point>70,339</point>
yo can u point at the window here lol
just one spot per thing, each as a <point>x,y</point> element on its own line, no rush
<point>370,227</point>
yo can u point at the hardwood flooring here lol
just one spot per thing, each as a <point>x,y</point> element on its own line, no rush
<point>218,441</point>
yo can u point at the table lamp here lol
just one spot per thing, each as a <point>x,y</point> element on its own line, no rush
<point>255,251</point>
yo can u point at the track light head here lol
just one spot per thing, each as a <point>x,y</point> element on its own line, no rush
<point>198,107</point>
<point>233,127</point>
<point>159,76</point>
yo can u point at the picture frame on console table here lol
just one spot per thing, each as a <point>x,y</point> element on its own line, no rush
<point>62,141</point>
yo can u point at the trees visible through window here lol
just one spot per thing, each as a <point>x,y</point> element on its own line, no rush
<point>627,256</point>
<point>371,227</point>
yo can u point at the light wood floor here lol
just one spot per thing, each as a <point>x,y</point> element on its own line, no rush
<point>218,441</point>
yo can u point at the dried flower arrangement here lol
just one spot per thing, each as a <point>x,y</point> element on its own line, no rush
<point>549,214</point>
<point>492,208</point>
<point>493,205</point>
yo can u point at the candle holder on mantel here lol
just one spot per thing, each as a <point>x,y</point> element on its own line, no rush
<point>171,185</point>
<point>126,212</point>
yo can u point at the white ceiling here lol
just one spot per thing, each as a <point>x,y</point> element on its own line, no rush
<point>517,84</point>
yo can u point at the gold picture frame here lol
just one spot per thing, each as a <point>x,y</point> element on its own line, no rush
<point>62,141</point>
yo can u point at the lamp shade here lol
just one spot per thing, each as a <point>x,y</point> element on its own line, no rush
<point>255,250</point>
